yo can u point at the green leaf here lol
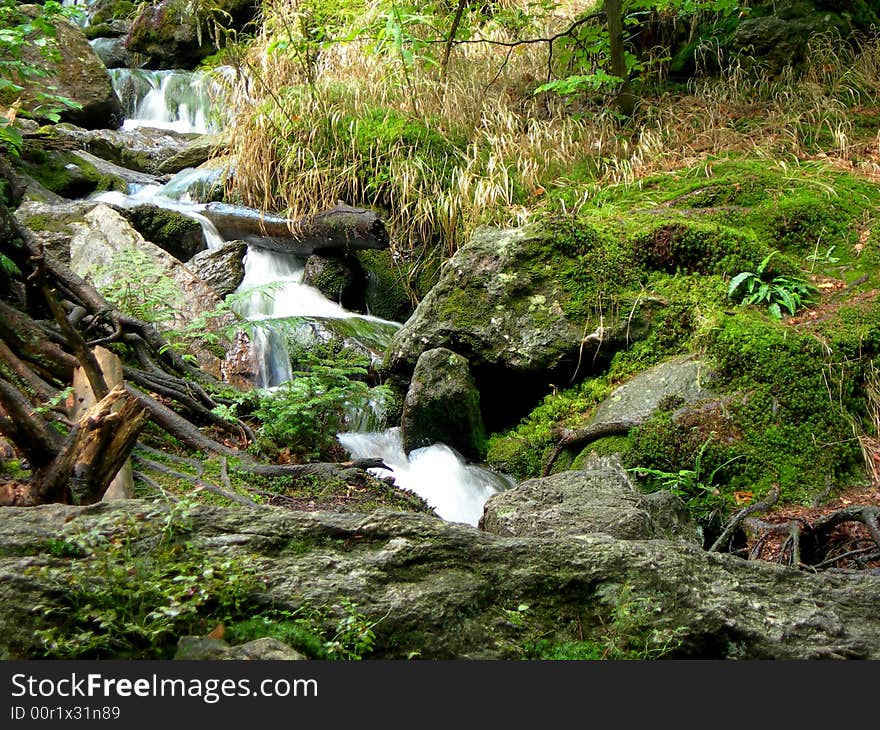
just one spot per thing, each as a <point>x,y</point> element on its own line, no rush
<point>737,280</point>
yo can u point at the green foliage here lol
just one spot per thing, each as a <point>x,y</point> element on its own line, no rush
<point>630,633</point>
<point>20,30</point>
<point>705,500</point>
<point>303,415</point>
<point>132,590</point>
<point>313,631</point>
<point>150,295</point>
<point>777,293</point>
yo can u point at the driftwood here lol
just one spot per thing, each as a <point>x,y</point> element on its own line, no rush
<point>340,228</point>
<point>584,436</point>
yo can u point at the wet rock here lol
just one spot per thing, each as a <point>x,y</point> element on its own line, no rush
<point>441,589</point>
<point>197,152</point>
<point>78,75</point>
<point>600,498</point>
<point>442,405</point>
<point>222,268</point>
<point>112,52</point>
<point>171,231</point>
<point>144,149</point>
<point>69,173</point>
<point>340,278</point>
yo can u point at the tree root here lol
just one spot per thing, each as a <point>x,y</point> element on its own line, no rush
<point>585,436</point>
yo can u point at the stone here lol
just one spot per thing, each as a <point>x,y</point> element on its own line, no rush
<point>682,380</point>
<point>171,32</point>
<point>221,268</point>
<point>112,52</point>
<point>442,405</point>
<point>143,149</point>
<point>177,296</point>
<point>501,302</point>
<point>179,235</point>
<point>54,222</point>
<point>78,75</point>
<point>600,498</point>
<point>441,589</point>
<point>197,152</point>
<point>340,278</point>
<point>70,173</point>
<point>197,648</point>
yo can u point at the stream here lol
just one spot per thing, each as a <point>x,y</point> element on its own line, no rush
<point>273,295</point>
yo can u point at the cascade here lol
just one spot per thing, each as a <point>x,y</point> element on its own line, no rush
<point>272,295</point>
<point>175,100</point>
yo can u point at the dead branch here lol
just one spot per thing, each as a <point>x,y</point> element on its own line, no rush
<point>585,436</point>
<point>737,519</point>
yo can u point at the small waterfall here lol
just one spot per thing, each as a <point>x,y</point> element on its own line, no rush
<point>141,195</point>
<point>175,100</point>
<point>273,293</point>
<point>457,491</point>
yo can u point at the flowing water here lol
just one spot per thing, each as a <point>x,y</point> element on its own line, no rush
<point>176,100</point>
<point>285,311</point>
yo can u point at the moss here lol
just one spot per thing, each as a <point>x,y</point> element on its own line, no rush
<point>607,446</point>
<point>388,286</point>
<point>66,174</point>
<point>785,421</point>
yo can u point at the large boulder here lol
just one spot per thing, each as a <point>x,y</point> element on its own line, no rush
<point>78,75</point>
<point>681,380</point>
<point>505,302</point>
<point>174,35</point>
<point>443,590</point>
<point>442,405</point>
<point>144,149</point>
<point>108,251</point>
<point>598,499</point>
<point>179,235</point>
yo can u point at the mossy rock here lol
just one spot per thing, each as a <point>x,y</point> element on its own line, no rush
<point>171,231</point>
<point>340,278</point>
<point>67,174</point>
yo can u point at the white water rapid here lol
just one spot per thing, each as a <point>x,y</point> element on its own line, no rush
<point>284,309</point>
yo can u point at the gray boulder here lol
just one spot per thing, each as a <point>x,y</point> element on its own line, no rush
<point>502,303</point>
<point>683,380</point>
<point>442,405</point>
<point>143,149</point>
<point>78,75</point>
<point>197,648</point>
<point>598,499</point>
<point>221,268</point>
<point>441,589</point>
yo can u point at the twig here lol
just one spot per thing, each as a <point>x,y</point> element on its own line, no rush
<point>735,521</point>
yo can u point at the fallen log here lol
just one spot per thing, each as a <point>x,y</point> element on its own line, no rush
<point>340,228</point>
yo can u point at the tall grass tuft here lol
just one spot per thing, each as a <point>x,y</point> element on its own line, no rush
<point>367,117</point>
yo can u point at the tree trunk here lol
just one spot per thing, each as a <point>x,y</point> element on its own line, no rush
<point>340,228</point>
<point>626,102</point>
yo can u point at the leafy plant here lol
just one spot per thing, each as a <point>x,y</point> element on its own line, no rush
<point>777,293</point>
<point>131,591</point>
<point>630,634</point>
<point>704,499</point>
<point>19,94</point>
<point>304,414</point>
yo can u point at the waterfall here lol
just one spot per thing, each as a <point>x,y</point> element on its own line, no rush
<point>175,100</point>
<point>457,491</point>
<point>273,293</point>
<point>284,310</point>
